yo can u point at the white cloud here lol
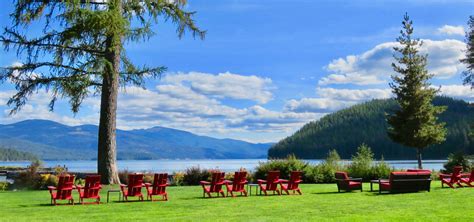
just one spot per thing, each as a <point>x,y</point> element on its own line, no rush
<point>452,30</point>
<point>354,94</point>
<point>226,85</point>
<point>316,105</point>
<point>458,91</point>
<point>373,67</point>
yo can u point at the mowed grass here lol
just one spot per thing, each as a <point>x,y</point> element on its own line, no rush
<point>319,202</point>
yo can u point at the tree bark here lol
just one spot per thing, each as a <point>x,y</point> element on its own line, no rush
<point>418,156</point>
<point>107,146</point>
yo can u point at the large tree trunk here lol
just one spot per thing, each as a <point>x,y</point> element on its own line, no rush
<point>418,157</point>
<point>107,150</point>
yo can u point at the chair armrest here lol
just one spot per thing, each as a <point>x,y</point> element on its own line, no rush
<point>261,181</point>
<point>298,181</point>
<point>283,181</point>
<point>228,182</point>
<point>465,175</point>
<point>147,185</point>
<point>204,183</point>
<point>51,188</point>
<point>163,185</point>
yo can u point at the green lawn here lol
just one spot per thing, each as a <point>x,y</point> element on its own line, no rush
<point>318,203</point>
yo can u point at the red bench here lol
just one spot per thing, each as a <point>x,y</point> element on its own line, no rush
<point>410,181</point>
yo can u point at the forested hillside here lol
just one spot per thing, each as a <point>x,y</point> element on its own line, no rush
<point>7,154</point>
<point>365,123</point>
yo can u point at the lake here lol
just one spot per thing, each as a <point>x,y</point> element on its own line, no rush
<point>227,165</point>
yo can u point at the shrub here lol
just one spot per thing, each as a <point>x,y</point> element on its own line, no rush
<point>29,179</point>
<point>324,172</point>
<point>361,165</point>
<point>3,186</point>
<point>46,180</point>
<point>285,166</point>
<point>177,179</point>
<point>148,178</point>
<point>457,159</point>
<point>123,176</point>
<point>193,175</point>
<point>381,170</point>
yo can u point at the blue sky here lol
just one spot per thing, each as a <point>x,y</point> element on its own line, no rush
<point>266,68</point>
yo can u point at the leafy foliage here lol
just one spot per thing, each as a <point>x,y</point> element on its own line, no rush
<point>193,175</point>
<point>457,159</point>
<point>362,162</point>
<point>365,123</point>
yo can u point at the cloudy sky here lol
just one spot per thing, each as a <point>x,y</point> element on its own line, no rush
<point>266,68</point>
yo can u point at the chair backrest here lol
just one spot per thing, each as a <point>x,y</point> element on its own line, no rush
<point>65,186</point>
<point>471,177</point>
<point>239,180</point>
<point>342,180</point>
<point>341,175</point>
<point>217,181</point>
<point>273,178</point>
<point>295,178</point>
<point>92,186</point>
<point>455,175</point>
<point>159,180</point>
<point>135,183</point>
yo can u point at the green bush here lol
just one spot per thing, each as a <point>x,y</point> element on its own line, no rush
<point>324,172</point>
<point>457,159</point>
<point>361,165</point>
<point>380,170</point>
<point>193,175</point>
<point>4,186</point>
<point>178,179</point>
<point>30,179</point>
<point>285,166</point>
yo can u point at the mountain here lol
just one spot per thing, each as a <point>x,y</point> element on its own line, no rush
<point>346,129</point>
<point>52,141</point>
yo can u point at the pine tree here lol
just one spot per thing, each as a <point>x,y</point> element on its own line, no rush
<point>469,60</point>
<point>415,123</point>
<point>81,53</point>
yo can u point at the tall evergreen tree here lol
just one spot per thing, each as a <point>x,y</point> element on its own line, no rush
<point>81,53</point>
<point>469,60</point>
<point>415,123</point>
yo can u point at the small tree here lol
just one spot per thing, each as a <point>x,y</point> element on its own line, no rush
<point>362,162</point>
<point>415,123</point>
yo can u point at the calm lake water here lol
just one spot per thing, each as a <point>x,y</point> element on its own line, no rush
<point>228,165</point>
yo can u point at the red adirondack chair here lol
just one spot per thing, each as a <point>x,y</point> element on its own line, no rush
<point>468,179</point>
<point>271,184</point>
<point>63,190</point>
<point>292,184</point>
<point>90,190</point>
<point>344,182</point>
<point>238,185</point>
<point>215,186</point>
<point>134,187</point>
<point>160,181</point>
<point>451,179</point>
